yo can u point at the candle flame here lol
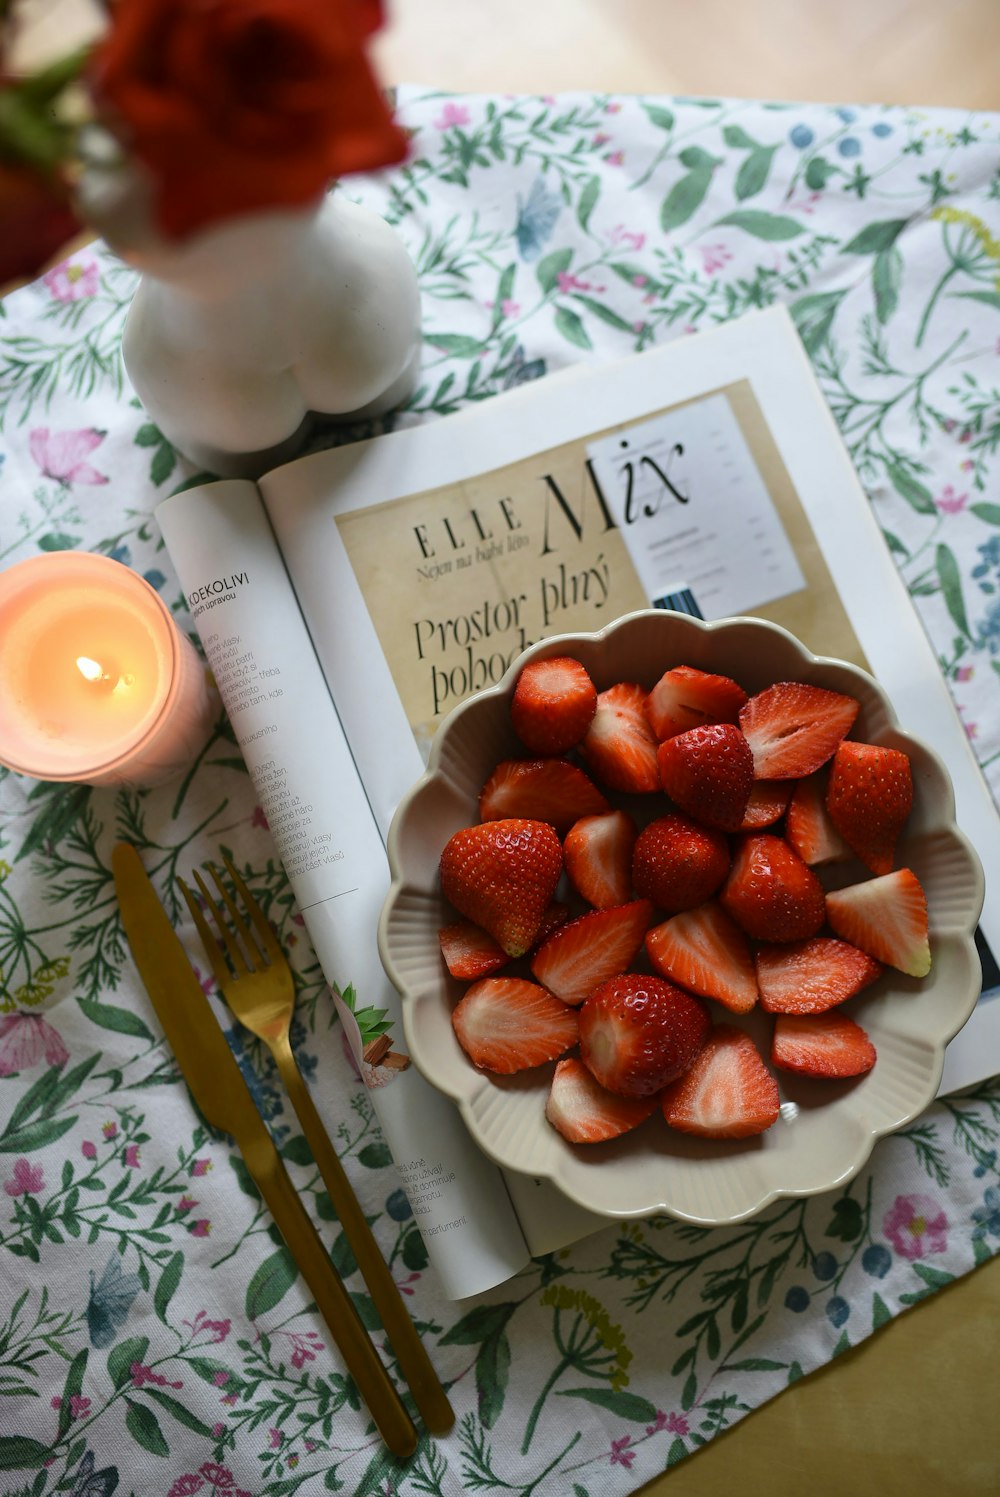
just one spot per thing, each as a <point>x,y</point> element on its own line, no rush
<point>91,670</point>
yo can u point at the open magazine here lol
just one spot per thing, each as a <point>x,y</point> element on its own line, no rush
<point>348,600</point>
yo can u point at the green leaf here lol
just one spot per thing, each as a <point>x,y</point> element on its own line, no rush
<point>588,200</point>
<point>122,1356</point>
<point>988,298</point>
<point>847,1222</point>
<point>756,1364</point>
<point>148,435</point>
<point>163,464</point>
<point>73,1386</point>
<point>696,159</point>
<point>604,313</point>
<point>685,197</point>
<point>911,489</point>
<point>414,1252</point>
<point>34,1098</point>
<point>989,513</point>
<point>818,173</point>
<point>843,1344</point>
<point>69,1084</point>
<point>479,1325</point>
<point>677,1451</point>
<point>492,1377</point>
<point>794,1372</point>
<point>58,541</point>
<point>936,1278</point>
<point>457,344</point>
<point>813,317</point>
<point>887,277</point>
<point>737,137</point>
<point>661,118</point>
<point>297,1150</point>
<point>752,175</point>
<point>881,1313</point>
<point>62,810</point>
<point>142,1426</point>
<point>624,1405</point>
<point>367,1313</point>
<point>951,588</point>
<point>180,1413</point>
<point>270,1283</point>
<point>375,1156</point>
<point>572,329</point>
<point>551,266</point>
<point>769,226</point>
<point>689,1392</point>
<point>876,237</point>
<point>35,1135</point>
<point>167,1284</point>
<point>108,1016</point>
<point>19,1451</point>
<point>209,1368</point>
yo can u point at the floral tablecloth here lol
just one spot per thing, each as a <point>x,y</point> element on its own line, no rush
<point>153,1335</point>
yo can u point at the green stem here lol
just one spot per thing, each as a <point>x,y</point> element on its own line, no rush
<point>935,294</point>
<point>540,1401</point>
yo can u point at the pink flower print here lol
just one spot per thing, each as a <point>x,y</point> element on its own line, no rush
<point>259,819</point>
<point>298,920</point>
<point>219,1328</point>
<point>25,1040</point>
<point>629,239</point>
<point>186,1203</point>
<point>510,308</point>
<point>27,1180</point>
<point>186,1486</point>
<point>677,1424</point>
<point>971,730</point>
<point>79,1407</point>
<point>612,108</point>
<point>218,1429</point>
<point>600,139</point>
<point>220,1379</point>
<point>452,114</point>
<point>967,465</point>
<point>110,1131</point>
<point>275,1438</point>
<point>220,1475</point>
<point>566,281</point>
<point>201,1228</point>
<point>61,454</point>
<point>950,503</point>
<point>620,1453</point>
<point>141,1375</point>
<point>293,1461</point>
<point>88,1150</point>
<point>310,1445</point>
<point>640,280</point>
<point>201,1167</point>
<point>72,280</point>
<point>615,158</point>
<point>660,1422</point>
<point>965,673</point>
<point>131,1156</point>
<point>229,1399</point>
<point>714,257</point>
<point>916,1225</point>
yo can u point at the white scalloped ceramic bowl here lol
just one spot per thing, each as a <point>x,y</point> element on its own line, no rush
<point>826,1131</point>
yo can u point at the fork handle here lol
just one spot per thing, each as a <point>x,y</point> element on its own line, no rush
<point>414,1362</point>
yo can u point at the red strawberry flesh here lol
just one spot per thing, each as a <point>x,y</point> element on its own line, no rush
<point>469,951</point>
<point>705,951</point>
<point>552,790</point>
<point>727,1093</point>
<point>708,773</point>
<point>508,1024</point>
<point>620,746</point>
<point>869,797</point>
<point>638,1032</point>
<point>686,697</point>
<point>597,852</point>
<point>553,704</point>
<point>502,875</point>
<point>588,950</point>
<point>887,917</point>
<point>809,977</point>
<point>793,728</point>
<point>808,826</point>
<point>823,1045</point>
<point>585,1112</point>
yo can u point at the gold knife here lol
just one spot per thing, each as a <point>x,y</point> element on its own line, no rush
<point>221,1093</point>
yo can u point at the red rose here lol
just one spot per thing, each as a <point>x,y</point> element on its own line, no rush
<point>236,105</point>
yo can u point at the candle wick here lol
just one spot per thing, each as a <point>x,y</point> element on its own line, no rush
<point>91,670</point>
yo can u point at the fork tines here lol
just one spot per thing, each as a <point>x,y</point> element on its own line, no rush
<point>258,951</point>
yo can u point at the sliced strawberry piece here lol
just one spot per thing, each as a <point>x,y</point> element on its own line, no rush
<point>869,797</point>
<point>705,951</point>
<point>822,1045</point>
<point>727,1093</point>
<point>620,748</point>
<point>584,1112</point>
<point>555,916</point>
<point>598,857</point>
<point>808,977</point>
<point>771,893</point>
<point>637,1033</point>
<point>553,704</point>
<point>469,951</point>
<point>708,772</point>
<point>767,804</point>
<point>552,790</point>
<point>689,698</point>
<point>588,950</point>
<point>677,863</point>
<point>887,918</point>
<point>793,728</point>
<point>508,1024</point>
<point>502,875</point>
<point>808,826</point>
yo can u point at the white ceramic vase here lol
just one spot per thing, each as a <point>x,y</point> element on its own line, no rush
<point>239,334</point>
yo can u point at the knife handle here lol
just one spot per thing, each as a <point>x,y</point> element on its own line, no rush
<point>332,1300</point>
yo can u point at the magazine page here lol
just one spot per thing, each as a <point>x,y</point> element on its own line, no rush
<point>288,730</point>
<point>706,475</point>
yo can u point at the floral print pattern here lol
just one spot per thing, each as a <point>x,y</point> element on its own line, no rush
<point>154,1334</point>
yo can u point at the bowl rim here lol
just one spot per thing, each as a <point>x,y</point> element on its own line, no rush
<point>464,1091</point>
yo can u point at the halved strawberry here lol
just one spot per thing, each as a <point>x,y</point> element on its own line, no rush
<point>638,1032</point>
<point>708,772</point>
<point>585,1112</point>
<point>823,1045</point>
<point>677,863</point>
<point>553,704</point>
<point>686,697</point>
<point>869,797</point>
<point>808,977</point>
<point>555,916</point>
<point>704,950</point>
<point>793,728</point>
<point>808,826</point>
<point>620,747</point>
<point>588,950</point>
<point>597,852</point>
<point>887,918</point>
<point>767,804</point>
<point>508,1024</point>
<point>469,951</point>
<point>552,790</point>
<point>771,893</point>
<point>727,1093</point>
<point>502,875</point>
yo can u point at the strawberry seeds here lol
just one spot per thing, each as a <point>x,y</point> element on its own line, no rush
<point>696,896</point>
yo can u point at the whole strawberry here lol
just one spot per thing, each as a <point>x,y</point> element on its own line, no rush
<point>677,863</point>
<point>502,875</point>
<point>771,893</point>
<point>553,704</point>
<point>868,799</point>
<point>638,1033</point>
<point>708,772</point>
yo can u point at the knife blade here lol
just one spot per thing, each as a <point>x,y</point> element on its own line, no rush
<point>218,1087</point>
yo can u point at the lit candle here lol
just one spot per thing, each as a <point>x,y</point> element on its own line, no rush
<point>97,684</point>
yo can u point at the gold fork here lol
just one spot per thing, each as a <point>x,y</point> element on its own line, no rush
<point>260,991</point>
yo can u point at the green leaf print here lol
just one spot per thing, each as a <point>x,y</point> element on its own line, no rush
<point>123,1356</point>
<point>737,137</point>
<point>180,1413</point>
<point>887,277</point>
<point>108,1016</point>
<point>988,298</point>
<point>72,1387</point>
<point>458,345</point>
<point>588,200</point>
<point>142,1425</point>
<point>62,809</point>
<point>988,513</point>
<point>604,313</point>
<point>167,1285</point>
<point>662,118</point>
<point>492,1377</point>
<point>550,267</point>
<point>950,579</point>
<point>818,173</point>
<point>813,317</point>
<point>35,1135</point>
<point>19,1452</point>
<point>270,1283</point>
<point>375,1156</point>
<point>753,174</point>
<point>911,489</point>
<point>769,226</point>
<point>572,328</point>
<point>687,194</point>
<point>58,541</point>
<point>625,1405</point>
<point>876,237</point>
<point>881,1313</point>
